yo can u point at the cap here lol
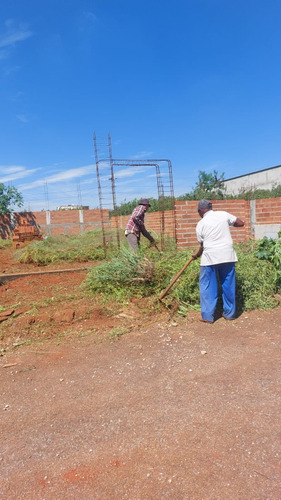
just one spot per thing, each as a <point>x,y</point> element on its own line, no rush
<point>145,201</point>
<point>204,205</point>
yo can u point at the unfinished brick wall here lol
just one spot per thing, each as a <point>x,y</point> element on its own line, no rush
<point>262,218</point>
<point>56,221</point>
<point>266,217</point>
<point>187,218</point>
<point>268,211</point>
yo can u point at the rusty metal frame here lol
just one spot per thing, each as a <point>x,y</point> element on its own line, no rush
<point>160,188</point>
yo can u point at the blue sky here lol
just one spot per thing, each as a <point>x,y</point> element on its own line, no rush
<point>194,81</point>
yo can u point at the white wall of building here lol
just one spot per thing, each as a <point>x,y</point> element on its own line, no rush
<point>263,179</point>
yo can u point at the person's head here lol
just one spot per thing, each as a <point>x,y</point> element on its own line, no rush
<point>145,202</point>
<point>204,206</point>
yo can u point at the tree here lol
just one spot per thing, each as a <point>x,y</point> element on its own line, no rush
<point>210,182</point>
<point>9,196</point>
<point>208,186</point>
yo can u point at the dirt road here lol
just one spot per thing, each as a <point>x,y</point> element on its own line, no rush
<point>174,409</point>
<point>177,412</point>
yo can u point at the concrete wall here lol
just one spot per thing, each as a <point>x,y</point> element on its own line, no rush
<point>263,179</point>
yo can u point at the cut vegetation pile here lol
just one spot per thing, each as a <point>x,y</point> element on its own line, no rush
<point>147,274</point>
<point>125,275</point>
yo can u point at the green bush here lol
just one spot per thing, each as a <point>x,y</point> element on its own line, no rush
<point>270,249</point>
<point>256,283</point>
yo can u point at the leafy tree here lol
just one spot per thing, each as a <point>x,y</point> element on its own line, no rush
<point>210,183</point>
<point>208,186</point>
<point>9,196</point>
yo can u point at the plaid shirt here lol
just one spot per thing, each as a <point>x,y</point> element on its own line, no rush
<point>136,221</point>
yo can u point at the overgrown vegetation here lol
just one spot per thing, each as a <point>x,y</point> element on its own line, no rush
<point>146,274</point>
<point>270,250</point>
<point>5,243</point>
<point>257,194</point>
<point>80,248</point>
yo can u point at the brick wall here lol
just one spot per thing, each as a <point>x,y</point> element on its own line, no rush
<point>262,218</point>
<point>266,217</point>
<point>268,211</point>
<point>187,218</point>
<point>56,221</point>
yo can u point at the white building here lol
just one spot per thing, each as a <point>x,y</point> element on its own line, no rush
<point>72,207</point>
<point>261,179</point>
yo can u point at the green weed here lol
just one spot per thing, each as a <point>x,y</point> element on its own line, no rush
<point>5,243</point>
<point>77,248</point>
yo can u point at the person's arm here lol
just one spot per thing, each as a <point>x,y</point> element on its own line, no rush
<point>199,252</point>
<point>238,222</point>
<point>140,223</point>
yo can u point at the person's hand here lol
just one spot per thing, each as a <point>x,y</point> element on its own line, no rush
<point>195,256</point>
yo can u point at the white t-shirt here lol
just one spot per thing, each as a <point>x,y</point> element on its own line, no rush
<point>213,231</point>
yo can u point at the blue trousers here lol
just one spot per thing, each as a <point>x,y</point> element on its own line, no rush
<point>208,287</point>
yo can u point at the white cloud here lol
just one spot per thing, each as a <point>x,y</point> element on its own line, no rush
<point>11,169</point>
<point>142,154</point>
<point>22,118</point>
<point>15,172</point>
<point>13,38</point>
<point>61,177</point>
<point>14,35</point>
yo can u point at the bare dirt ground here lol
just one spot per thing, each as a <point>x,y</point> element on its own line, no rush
<point>113,404</point>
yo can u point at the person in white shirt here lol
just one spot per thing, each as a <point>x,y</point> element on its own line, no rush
<point>218,258</point>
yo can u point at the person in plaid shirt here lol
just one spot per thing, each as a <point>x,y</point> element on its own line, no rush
<point>135,226</point>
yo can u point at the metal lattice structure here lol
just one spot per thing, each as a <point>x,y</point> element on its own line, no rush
<point>107,175</point>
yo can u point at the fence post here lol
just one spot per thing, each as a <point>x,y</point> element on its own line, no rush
<point>81,220</point>
<point>253,217</point>
<point>48,221</point>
